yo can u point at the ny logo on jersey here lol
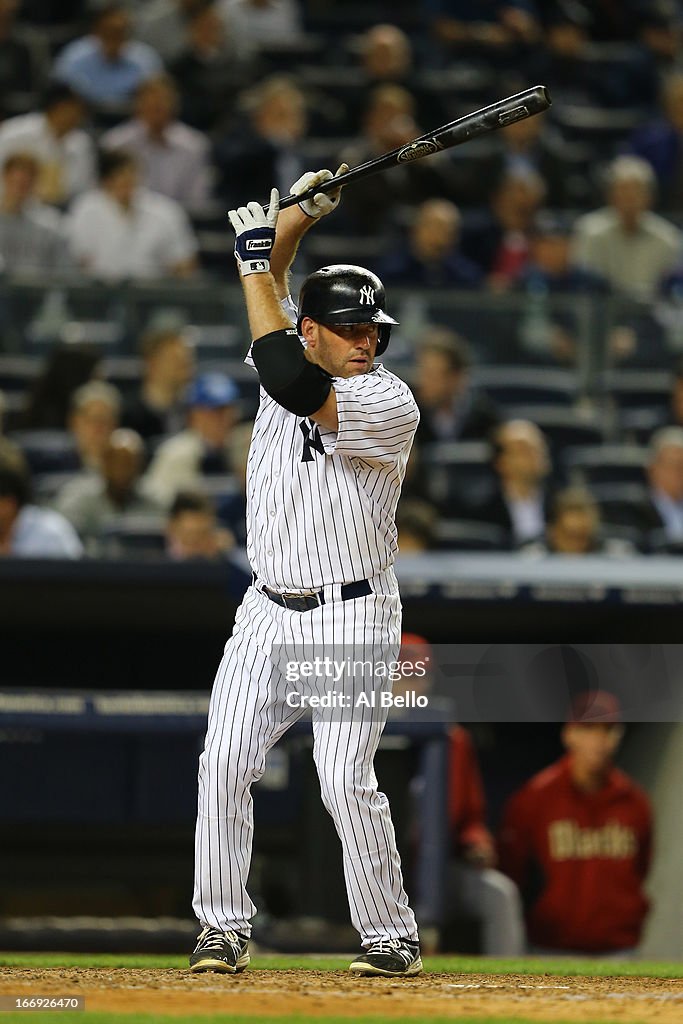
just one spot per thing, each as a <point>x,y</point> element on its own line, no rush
<point>312,440</point>
<point>367,295</point>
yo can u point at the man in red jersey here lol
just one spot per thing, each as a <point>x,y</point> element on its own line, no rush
<point>577,840</point>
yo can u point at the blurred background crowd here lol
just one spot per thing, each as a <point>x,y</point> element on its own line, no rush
<point>537,272</point>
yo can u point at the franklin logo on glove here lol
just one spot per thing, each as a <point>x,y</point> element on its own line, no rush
<point>259,244</point>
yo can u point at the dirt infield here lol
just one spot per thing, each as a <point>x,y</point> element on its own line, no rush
<point>337,993</point>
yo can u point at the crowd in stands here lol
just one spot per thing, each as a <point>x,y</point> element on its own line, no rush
<point>128,129</point>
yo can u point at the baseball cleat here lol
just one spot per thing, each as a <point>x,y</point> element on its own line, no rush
<point>224,952</point>
<point>389,957</point>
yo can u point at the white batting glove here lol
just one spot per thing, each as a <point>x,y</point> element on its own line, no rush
<point>322,203</point>
<point>255,234</point>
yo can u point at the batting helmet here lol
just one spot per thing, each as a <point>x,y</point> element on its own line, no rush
<point>344,294</point>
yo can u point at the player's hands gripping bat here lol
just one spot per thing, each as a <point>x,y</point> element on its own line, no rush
<point>255,234</point>
<point>320,204</point>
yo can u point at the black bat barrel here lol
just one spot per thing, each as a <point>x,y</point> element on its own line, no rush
<point>498,115</point>
<point>479,122</point>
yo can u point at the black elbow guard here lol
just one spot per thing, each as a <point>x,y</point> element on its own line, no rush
<point>287,376</point>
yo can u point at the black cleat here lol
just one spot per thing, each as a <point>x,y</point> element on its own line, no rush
<point>391,958</point>
<point>225,952</point>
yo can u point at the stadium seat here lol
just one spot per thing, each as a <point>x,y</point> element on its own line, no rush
<point>606,464</point>
<point>600,128</point>
<point>562,426</point>
<point>135,537</point>
<point>215,315</point>
<point>305,50</point>
<point>124,372</point>
<point>617,504</point>
<point>48,451</point>
<point>12,405</point>
<point>469,535</point>
<point>637,426</point>
<point>17,373</point>
<point>458,473</point>
<point>512,385</point>
<point>489,324</point>
<point>220,486</point>
<point>74,311</point>
<point>638,389</point>
<point>46,486</point>
<point>323,249</point>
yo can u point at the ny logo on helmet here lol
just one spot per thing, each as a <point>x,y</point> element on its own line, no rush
<point>367,295</point>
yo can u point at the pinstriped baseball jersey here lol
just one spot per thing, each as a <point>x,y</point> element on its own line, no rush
<point>320,504</point>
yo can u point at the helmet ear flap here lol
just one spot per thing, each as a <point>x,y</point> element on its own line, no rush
<point>383,333</point>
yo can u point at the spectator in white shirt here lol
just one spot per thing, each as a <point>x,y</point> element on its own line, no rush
<point>659,516</point>
<point>27,531</point>
<point>121,230</point>
<point>54,136</point>
<point>624,241</point>
<point>94,503</point>
<point>519,503</point>
<point>31,237</point>
<point>174,157</point>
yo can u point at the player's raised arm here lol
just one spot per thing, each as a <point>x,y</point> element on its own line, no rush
<point>255,230</point>
<point>266,243</point>
<point>295,221</point>
<point>265,246</point>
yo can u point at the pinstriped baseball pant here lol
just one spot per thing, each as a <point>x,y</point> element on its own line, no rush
<point>249,712</point>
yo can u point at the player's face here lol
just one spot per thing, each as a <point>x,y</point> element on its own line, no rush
<point>666,472</point>
<point>193,535</point>
<point>592,745</point>
<point>630,198</point>
<point>214,425</point>
<point>92,427</point>
<point>437,383</point>
<point>345,350</point>
<point>173,363</point>
<point>8,513</point>
<point>522,458</point>
<point>121,466</point>
<point>574,532</point>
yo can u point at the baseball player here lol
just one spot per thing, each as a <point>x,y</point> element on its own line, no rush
<point>328,455</point>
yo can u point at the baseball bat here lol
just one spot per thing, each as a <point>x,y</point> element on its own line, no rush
<point>479,122</point>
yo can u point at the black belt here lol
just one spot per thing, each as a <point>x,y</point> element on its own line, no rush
<point>305,603</point>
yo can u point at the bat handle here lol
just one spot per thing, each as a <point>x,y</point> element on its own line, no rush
<point>292,200</point>
<point>325,186</point>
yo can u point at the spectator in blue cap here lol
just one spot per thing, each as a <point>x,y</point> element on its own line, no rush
<point>202,448</point>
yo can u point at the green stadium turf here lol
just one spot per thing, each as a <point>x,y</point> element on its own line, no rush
<point>433,964</point>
